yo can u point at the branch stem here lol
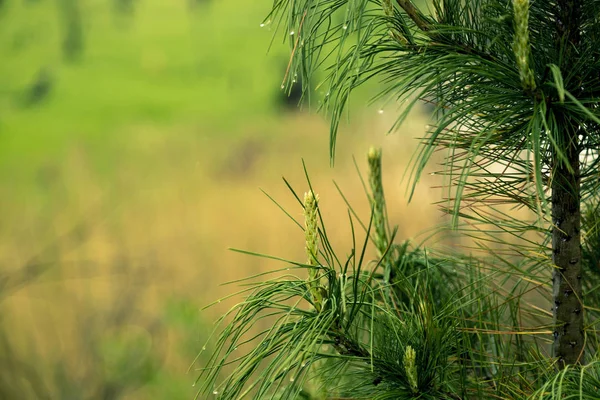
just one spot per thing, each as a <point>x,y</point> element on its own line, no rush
<point>413,13</point>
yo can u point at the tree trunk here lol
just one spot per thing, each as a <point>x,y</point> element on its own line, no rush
<point>566,213</point>
<point>566,246</point>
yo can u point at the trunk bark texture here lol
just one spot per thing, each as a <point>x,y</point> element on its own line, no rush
<point>566,247</point>
<point>566,214</point>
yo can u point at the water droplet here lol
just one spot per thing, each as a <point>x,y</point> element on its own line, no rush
<point>292,379</point>
<point>282,86</point>
<point>262,25</point>
<point>215,392</point>
<point>380,111</point>
<point>219,301</point>
<point>345,27</point>
<point>292,33</point>
<point>433,173</point>
<point>194,384</point>
<point>203,348</point>
<point>287,269</point>
<point>303,365</point>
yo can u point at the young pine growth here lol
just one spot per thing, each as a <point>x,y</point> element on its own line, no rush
<point>521,45</point>
<point>516,108</point>
<point>521,133</point>
<point>388,9</point>
<point>311,218</point>
<point>377,201</point>
<point>410,365</point>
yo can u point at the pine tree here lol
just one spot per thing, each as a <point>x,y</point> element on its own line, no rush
<point>515,86</point>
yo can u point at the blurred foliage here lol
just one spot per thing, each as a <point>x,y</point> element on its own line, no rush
<point>120,353</point>
<point>129,130</point>
<point>168,61</point>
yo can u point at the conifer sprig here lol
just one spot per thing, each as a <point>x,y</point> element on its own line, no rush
<point>410,365</point>
<point>521,44</point>
<point>449,332</point>
<point>311,225</point>
<point>311,231</point>
<point>380,231</point>
<point>389,11</point>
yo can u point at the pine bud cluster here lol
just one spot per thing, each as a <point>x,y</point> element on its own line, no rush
<point>410,366</point>
<point>377,200</point>
<point>311,218</point>
<point>388,9</point>
<point>521,46</point>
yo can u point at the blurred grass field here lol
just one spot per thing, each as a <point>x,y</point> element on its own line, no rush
<point>124,183</point>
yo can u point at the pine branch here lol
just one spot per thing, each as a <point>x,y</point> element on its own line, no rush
<point>414,14</point>
<point>417,17</point>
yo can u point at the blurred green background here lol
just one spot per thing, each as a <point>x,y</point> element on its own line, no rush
<point>134,137</point>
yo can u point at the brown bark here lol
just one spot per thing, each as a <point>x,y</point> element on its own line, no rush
<point>569,335</point>
<point>566,246</point>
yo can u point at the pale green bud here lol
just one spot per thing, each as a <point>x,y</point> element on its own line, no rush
<point>311,224</point>
<point>410,366</point>
<point>388,9</point>
<point>312,228</point>
<point>521,46</point>
<point>377,201</point>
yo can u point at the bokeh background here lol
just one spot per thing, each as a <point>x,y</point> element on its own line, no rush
<point>135,136</point>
